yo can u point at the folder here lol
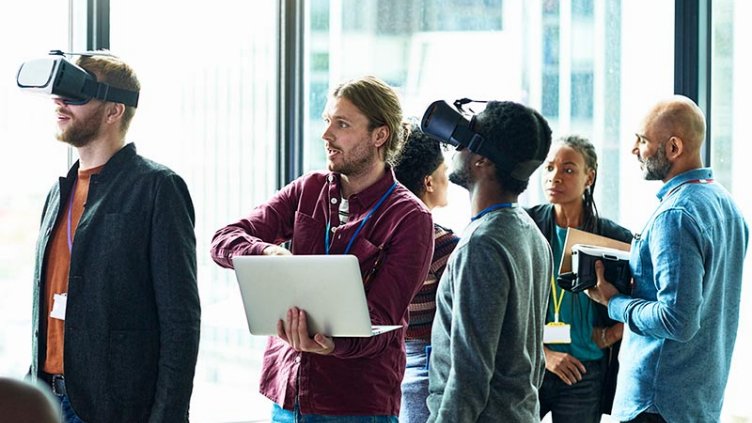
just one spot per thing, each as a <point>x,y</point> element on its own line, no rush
<point>576,236</point>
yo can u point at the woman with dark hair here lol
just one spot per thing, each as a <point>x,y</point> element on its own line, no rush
<point>423,171</point>
<point>580,376</point>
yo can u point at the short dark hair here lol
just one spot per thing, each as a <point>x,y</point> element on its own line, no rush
<point>517,132</point>
<point>421,156</point>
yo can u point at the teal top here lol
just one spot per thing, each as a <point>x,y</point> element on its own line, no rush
<point>576,310</point>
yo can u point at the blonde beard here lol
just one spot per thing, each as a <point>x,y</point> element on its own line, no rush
<point>357,165</point>
<point>83,130</point>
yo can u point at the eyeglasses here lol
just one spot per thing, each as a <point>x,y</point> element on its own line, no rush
<point>460,105</point>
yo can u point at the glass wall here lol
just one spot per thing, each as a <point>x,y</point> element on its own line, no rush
<point>570,59</point>
<point>208,110</point>
<point>32,161</point>
<point>729,151</point>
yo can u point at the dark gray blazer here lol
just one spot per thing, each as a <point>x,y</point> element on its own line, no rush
<point>133,314</point>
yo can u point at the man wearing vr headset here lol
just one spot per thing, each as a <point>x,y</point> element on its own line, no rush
<point>681,319</point>
<point>487,358</point>
<point>116,309</point>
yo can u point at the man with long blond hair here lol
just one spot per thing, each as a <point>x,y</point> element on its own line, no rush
<point>355,207</point>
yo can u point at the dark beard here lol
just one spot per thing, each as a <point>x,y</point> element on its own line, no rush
<point>461,177</point>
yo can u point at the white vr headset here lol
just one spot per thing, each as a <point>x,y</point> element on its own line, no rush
<point>59,77</point>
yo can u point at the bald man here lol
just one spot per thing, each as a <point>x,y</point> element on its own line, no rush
<point>682,317</point>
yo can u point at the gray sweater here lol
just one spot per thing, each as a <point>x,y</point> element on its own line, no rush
<point>487,357</point>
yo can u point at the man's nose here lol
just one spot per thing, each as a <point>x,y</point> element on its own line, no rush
<point>327,135</point>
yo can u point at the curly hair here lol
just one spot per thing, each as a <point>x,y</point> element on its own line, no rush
<point>421,156</point>
<point>517,133</point>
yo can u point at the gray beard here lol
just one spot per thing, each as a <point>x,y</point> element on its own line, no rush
<point>656,168</point>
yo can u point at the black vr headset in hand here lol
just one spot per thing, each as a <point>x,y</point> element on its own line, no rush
<point>582,276</point>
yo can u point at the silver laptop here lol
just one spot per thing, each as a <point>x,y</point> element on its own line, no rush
<point>328,287</point>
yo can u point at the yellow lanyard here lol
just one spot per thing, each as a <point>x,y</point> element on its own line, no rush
<point>557,304</point>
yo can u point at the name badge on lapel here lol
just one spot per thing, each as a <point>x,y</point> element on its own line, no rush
<point>59,303</point>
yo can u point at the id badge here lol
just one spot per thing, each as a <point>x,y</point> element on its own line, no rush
<point>59,302</point>
<point>557,333</point>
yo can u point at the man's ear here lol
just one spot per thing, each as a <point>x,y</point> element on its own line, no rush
<point>114,112</point>
<point>674,147</point>
<point>481,165</point>
<point>380,135</point>
<point>482,161</point>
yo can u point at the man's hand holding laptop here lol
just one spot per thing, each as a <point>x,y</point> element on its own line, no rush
<point>276,250</point>
<point>295,333</point>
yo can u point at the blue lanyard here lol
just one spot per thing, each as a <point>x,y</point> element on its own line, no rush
<point>70,216</point>
<point>362,222</point>
<point>491,208</point>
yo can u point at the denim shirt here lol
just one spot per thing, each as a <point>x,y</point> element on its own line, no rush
<point>683,314</point>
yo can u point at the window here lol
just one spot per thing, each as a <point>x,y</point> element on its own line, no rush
<point>570,60</point>
<point>729,151</point>
<point>33,160</point>
<point>208,111</point>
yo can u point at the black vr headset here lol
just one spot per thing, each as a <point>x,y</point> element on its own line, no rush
<point>59,77</point>
<point>449,126</point>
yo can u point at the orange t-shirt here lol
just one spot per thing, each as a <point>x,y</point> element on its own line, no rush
<point>58,268</point>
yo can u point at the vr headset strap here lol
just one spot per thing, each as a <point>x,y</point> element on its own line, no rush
<point>102,91</point>
<point>518,171</point>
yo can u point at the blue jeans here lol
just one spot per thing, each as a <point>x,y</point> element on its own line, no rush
<point>69,416</point>
<point>280,415</point>
<point>578,403</point>
<point>415,383</point>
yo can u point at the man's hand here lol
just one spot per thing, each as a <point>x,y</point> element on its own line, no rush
<point>295,333</point>
<point>604,337</point>
<point>276,250</point>
<point>568,368</point>
<point>602,292</point>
